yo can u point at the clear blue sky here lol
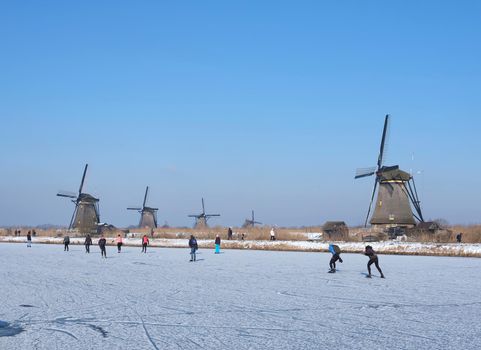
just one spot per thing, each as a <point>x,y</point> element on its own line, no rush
<point>266,105</point>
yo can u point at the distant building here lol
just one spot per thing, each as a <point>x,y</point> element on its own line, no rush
<point>335,230</point>
<point>428,226</point>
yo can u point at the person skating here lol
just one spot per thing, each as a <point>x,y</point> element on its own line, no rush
<point>336,255</point>
<point>217,244</point>
<point>66,242</point>
<point>87,243</point>
<point>373,259</point>
<point>193,247</point>
<point>145,243</point>
<point>102,243</point>
<point>119,243</point>
<point>29,240</point>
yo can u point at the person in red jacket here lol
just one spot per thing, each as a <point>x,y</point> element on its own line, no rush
<point>119,243</point>
<point>145,243</point>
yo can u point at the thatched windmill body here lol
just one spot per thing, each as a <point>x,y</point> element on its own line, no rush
<point>148,215</point>
<point>250,223</point>
<point>397,192</point>
<point>85,217</point>
<point>202,218</point>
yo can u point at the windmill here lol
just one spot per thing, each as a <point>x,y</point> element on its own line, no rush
<point>397,192</point>
<point>86,216</point>
<point>201,219</point>
<point>251,223</point>
<point>148,216</point>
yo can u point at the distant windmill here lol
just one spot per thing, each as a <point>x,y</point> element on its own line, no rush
<point>397,192</point>
<point>148,216</point>
<point>201,219</point>
<point>251,223</point>
<point>86,216</point>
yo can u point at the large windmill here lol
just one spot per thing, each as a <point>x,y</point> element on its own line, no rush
<point>397,192</point>
<point>201,219</point>
<point>252,222</point>
<point>86,216</point>
<point>148,216</point>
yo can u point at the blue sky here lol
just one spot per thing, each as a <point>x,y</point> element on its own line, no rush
<point>266,105</point>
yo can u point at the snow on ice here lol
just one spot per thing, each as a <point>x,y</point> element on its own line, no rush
<point>239,299</point>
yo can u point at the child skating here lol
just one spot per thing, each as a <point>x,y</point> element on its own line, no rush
<point>336,255</point>
<point>373,259</point>
<point>119,243</point>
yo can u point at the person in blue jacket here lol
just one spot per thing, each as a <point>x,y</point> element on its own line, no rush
<point>336,255</point>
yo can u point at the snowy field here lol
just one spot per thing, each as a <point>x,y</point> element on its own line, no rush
<point>53,299</point>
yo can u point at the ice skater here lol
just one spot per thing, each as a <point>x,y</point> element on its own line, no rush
<point>373,259</point>
<point>87,243</point>
<point>119,243</point>
<point>102,243</point>
<point>193,247</point>
<point>66,242</point>
<point>217,244</point>
<point>336,255</point>
<point>29,240</point>
<point>145,243</point>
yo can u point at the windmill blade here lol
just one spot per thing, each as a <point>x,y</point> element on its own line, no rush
<point>83,180</point>
<point>364,172</point>
<point>194,216</point>
<point>383,142</point>
<point>257,222</point>
<point>134,209</point>
<point>145,197</point>
<point>370,204</point>
<point>73,217</point>
<point>66,194</point>
<point>209,215</point>
<point>203,207</point>
<point>253,216</point>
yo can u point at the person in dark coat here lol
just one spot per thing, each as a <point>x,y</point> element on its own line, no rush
<point>87,243</point>
<point>229,233</point>
<point>66,242</point>
<point>336,255</point>
<point>459,237</point>
<point>29,240</point>
<point>193,247</point>
<point>102,243</point>
<point>217,244</point>
<point>373,259</point>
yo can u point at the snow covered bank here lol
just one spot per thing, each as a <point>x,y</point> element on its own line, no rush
<point>388,247</point>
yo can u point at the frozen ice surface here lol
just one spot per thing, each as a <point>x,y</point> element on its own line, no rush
<point>234,300</point>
